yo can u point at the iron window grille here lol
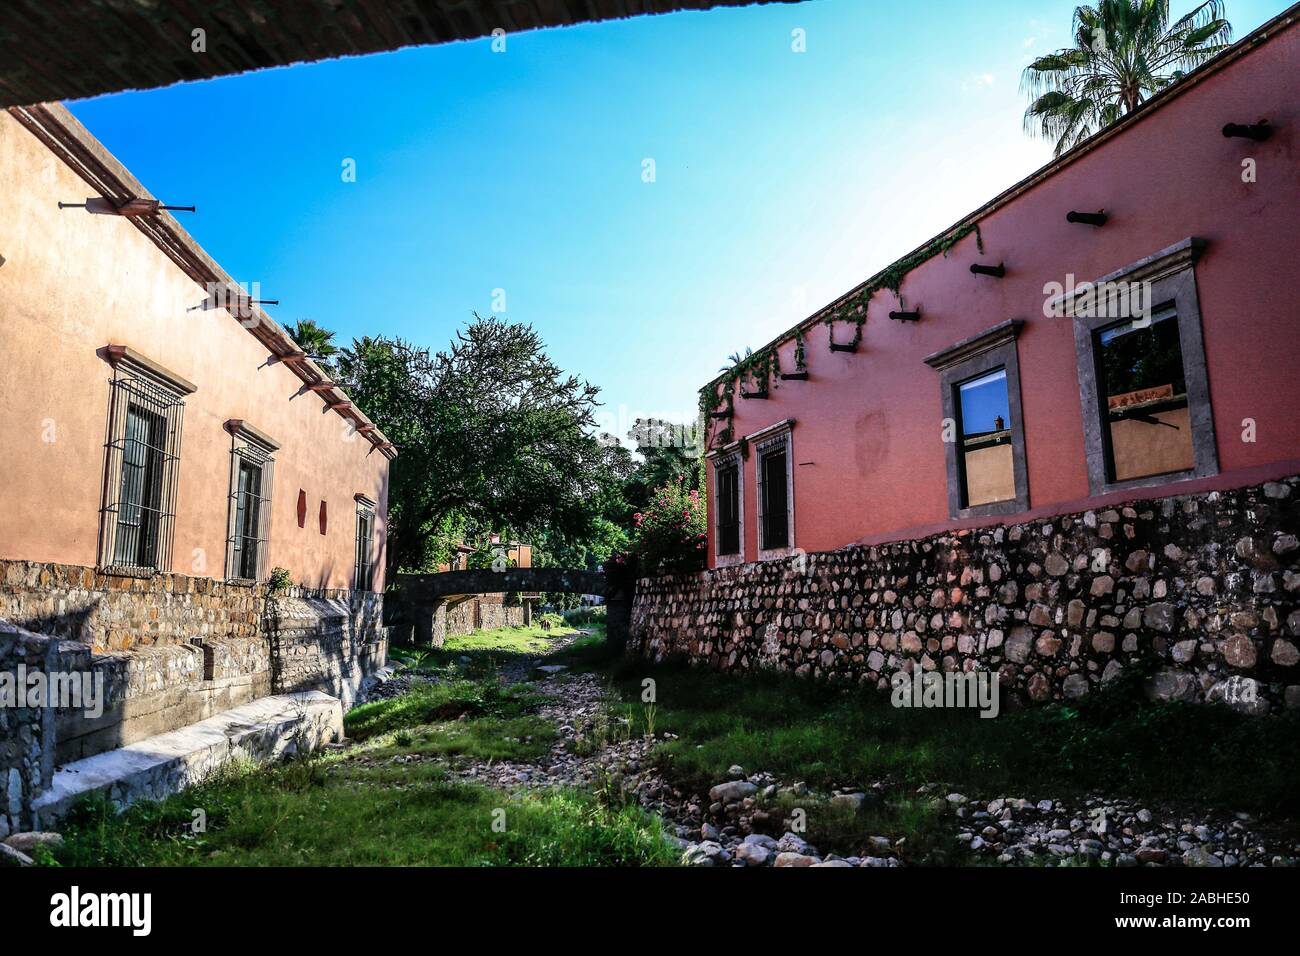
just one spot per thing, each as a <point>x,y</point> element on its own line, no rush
<point>138,515</point>
<point>252,468</point>
<point>775,495</point>
<point>364,552</point>
<point>729,509</point>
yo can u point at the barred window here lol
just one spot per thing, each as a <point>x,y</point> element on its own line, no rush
<point>728,508</point>
<point>775,494</point>
<point>138,515</point>
<point>251,471</point>
<point>365,541</point>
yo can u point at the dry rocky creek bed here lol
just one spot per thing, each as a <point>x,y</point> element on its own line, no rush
<point>738,823</point>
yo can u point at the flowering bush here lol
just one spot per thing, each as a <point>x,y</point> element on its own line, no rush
<point>670,534</point>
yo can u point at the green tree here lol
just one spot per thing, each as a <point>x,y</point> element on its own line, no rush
<point>669,453</point>
<point>1124,52</point>
<point>317,342</point>
<point>492,435</point>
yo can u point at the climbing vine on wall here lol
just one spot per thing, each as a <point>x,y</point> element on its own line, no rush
<point>855,308</point>
<point>764,366</point>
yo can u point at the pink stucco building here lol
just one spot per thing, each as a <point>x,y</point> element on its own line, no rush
<point>865,440</point>
<point>1058,444</point>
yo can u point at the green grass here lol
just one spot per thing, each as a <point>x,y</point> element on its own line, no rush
<point>339,813</point>
<point>507,640</point>
<point>438,703</point>
<point>517,739</point>
<point>390,800</point>
<point>1115,741</point>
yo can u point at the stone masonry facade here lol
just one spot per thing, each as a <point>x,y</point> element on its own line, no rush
<point>464,614</point>
<point>171,650</point>
<point>1208,585</point>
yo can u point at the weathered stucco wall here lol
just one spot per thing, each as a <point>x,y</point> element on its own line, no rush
<point>72,283</point>
<point>1209,584</point>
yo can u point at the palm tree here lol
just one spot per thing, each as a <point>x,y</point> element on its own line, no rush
<point>1125,51</point>
<point>317,342</point>
<point>735,358</point>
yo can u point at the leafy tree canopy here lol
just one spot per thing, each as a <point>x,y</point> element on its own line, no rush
<point>492,435</point>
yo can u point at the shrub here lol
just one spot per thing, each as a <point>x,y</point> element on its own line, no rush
<point>670,534</point>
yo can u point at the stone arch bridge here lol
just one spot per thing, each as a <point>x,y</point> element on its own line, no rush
<point>423,597</point>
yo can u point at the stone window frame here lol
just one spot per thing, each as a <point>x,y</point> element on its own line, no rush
<point>763,442</point>
<point>248,444</point>
<point>992,349</point>
<point>729,457</point>
<point>139,380</point>
<point>366,510</point>
<point>1172,274</point>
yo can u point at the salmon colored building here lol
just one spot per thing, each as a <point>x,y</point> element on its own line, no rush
<point>977,381</point>
<point>156,420</point>
<point>194,514</point>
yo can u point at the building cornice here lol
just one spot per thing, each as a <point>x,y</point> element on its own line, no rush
<point>73,144</point>
<point>120,356</point>
<point>242,429</point>
<point>1160,265</point>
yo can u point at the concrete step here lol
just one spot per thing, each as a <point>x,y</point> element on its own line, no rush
<point>153,768</point>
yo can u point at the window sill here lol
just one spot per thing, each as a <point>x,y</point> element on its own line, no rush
<point>775,554</point>
<point>1153,481</point>
<point>242,582</point>
<point>993,509</point>
<point>728,560</point>
<point>119,571</point>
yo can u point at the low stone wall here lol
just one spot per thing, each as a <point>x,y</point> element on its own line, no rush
<point>330,641</point>
<point>1207,583</point>
<point>163,652</point>
<point>114,613</point>
<point>464,614</point>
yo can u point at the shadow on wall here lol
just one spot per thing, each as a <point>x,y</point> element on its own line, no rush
<point>70,625</point>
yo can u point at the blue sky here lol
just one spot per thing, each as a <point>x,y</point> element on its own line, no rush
<point>781,178</point>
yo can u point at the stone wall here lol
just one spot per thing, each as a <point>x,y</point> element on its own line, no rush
<point>116,613</point>
<point>1207,584</point>
<point>168,651</point>
<point>330,641</point>
<point>464,614</point>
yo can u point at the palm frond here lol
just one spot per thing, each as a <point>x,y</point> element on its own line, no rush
<point>1124,52</point>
